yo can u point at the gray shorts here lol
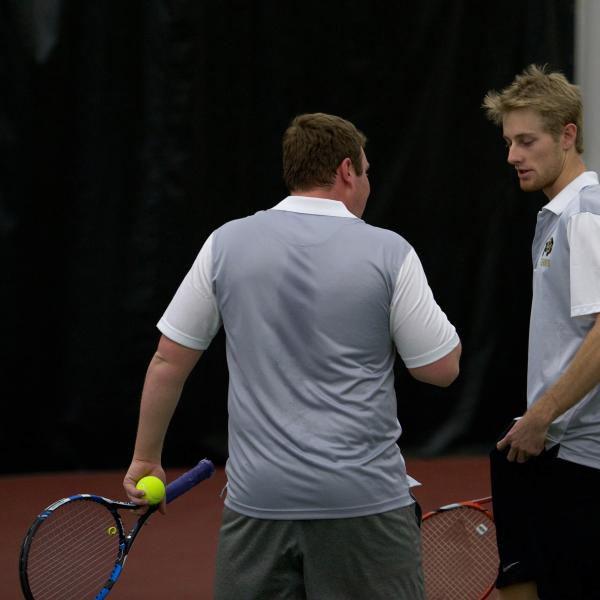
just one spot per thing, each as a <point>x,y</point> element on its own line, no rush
<point>375,557</point>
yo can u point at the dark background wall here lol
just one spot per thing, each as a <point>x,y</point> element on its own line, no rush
<point>130,130</point>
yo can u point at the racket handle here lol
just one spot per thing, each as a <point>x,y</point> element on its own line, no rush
<point>203,470</point>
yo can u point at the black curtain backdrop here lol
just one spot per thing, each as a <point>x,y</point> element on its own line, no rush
<point>130,130</point>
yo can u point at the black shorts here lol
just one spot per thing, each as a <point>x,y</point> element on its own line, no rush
<point>547,524</point>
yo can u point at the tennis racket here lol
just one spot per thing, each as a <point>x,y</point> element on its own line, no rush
<point>460,557</point>
<point>77,547</point>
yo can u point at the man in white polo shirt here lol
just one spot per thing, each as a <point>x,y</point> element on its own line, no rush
<point>314,303</point>
<point>546,469</point>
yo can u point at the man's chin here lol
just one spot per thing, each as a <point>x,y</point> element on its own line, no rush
<point>529,186</point>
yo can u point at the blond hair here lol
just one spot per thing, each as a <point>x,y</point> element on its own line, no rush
<point>550,94</point>
<point>313,147</point>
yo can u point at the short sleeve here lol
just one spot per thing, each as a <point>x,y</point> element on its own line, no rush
<point>420,329</point>
<point>584,241</point>
<point>192,318</point>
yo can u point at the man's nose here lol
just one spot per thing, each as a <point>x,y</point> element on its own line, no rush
<point>513,155</point>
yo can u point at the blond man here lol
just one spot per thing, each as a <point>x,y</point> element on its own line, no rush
<point>546,468</point>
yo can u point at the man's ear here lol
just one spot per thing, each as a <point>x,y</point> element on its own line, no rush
<point>569,136</point>
<point>346,170</point>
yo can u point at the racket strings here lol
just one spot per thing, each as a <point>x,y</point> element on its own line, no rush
<point>73,552</point>
<point>460,557</point>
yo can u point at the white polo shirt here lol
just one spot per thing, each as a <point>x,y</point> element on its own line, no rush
<point>566,298</point>
<point>314,303</point>
<point>193,317</point>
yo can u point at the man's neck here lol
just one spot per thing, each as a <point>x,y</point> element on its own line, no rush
<point>325,193</point>
<point>573,168</point>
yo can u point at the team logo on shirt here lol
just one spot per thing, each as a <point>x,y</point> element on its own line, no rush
<point>545,262</point>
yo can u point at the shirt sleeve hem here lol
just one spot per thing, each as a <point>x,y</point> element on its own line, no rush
<point>585,310</point>
<point>431,357</point>
<point>181,338</point>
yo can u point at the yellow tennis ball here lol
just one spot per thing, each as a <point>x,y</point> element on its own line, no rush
<point>154,488</point>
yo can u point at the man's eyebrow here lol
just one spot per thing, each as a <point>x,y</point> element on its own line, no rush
<point>519,137</point>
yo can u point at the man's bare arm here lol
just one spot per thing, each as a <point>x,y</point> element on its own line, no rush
<point>527,437</point>
<point>167,373</point>
<point>442,372</point>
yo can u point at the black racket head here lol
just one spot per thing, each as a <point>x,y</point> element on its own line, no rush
<point>76,548</point>
<point>460,556</point>
<point>71,549</point>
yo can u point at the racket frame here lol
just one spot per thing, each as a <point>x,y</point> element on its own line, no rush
<point>470,503</point>
<point>203,470</point>
<point>477,505</point>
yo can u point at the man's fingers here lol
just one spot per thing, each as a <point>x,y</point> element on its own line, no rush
<point>512,453</point>
<point>503,443</point>
<point>520,456</point>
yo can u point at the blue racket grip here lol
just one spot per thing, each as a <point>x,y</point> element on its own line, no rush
<point>203,470</point>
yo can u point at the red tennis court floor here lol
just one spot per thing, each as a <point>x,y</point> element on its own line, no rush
<point>174,557</point>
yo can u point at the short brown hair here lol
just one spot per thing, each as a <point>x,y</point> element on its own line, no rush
<point>313,147</point>
<point>550,94</point>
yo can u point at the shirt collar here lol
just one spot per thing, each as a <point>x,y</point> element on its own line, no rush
<point>314,206</point>
<point>560,201</point>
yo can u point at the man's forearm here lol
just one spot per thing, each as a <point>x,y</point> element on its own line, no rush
<point>527,437</point>
<point>167,373</point>
<point>580,377</point>
<point>160,397</point>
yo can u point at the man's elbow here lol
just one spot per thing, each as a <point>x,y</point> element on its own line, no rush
<point>442,372</point>
<point>447,376</point>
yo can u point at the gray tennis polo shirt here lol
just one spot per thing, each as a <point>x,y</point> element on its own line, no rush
<point>566,298</point>
<point>314,303</point>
